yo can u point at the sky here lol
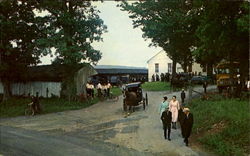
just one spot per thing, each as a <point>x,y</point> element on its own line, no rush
<point>122,44</point>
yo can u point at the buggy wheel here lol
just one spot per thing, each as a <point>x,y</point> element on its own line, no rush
<point>124,105</point>
<point>144,105</point>
<point>28,112</point>
<point>146,99</point>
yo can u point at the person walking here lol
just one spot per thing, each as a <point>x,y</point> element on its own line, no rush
<point>205,86</point>
<point>183,96</point>
<point>99,89</point>
<point>187,124</point>
<point>164,104</point>
<point>181,116</point>
<point>88,89</point>
<point>108,89</point>
<point>174,106</point>
<point>166,118</point>
<point>91,90</point>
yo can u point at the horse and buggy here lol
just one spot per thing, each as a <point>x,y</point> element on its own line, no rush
<point>133,96</point>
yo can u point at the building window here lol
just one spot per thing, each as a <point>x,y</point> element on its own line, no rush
<point>157,67</point>
<point>169,67</point>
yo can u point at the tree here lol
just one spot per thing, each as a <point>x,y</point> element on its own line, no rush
<point>222,32</point>
<point>168,24</point>
<point>17,49</point>
<point>71,27</point>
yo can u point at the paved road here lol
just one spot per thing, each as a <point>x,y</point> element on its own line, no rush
<point>100,129</point>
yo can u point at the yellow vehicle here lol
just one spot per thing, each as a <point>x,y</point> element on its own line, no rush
<point>223,75</point>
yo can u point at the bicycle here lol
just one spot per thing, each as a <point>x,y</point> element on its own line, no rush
<point>29,110</point>
<point>112,97</point>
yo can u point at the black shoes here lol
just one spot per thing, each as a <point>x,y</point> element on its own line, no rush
<point>169,139</point>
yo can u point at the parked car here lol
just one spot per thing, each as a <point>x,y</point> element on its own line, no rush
<point>197,80</point>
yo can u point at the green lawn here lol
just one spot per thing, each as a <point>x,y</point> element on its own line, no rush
<point>16,106</point>
<point>116,91</point>
<point>225,123</point>
<point>156,86</point>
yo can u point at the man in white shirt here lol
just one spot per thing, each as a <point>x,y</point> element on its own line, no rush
<point>108,89</point>
<point>88,89</point>
<point>91,87</point>
<point>99,89</point>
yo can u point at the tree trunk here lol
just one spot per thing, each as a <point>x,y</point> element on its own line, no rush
<point>210,69</point>
<point>190,67</point>
<point>174,68</point>
<point>6,90</point>
<point>184,66</point>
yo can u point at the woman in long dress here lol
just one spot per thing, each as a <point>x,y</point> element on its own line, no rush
<point>174,107</point>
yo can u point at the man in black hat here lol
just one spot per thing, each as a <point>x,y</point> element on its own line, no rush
<point>187,124</point>
<point>166,118</point>
<point>183,96</point>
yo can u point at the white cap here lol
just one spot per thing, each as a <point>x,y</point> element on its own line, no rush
<point>186,109</point>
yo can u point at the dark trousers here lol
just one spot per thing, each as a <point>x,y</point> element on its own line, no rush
<point>182,100</point>
<point>167,128</point>
<point>92,93</point>
<point>108,92</point>
<point>186,140</point>
<point>205,89</point>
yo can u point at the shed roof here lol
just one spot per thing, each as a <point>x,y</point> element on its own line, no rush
<point>111,69</point>
<point>52,73</point>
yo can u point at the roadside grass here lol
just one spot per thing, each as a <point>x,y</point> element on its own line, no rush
<point>116,91</point>
<point>224,123</point>
<point>156,86</point>
<point>16,106</point>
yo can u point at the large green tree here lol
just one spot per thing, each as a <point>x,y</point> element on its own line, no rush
<point>223,32</point>
<point>168,24</point>
<point>71,27</point>
<point>17,40</point>
<point>68,26</point>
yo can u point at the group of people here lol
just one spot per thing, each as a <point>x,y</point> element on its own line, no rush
<point>171,112</point>
<point>103,89</point>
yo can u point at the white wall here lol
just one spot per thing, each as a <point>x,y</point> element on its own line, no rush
<point>163,61</point>
<point>197,68</point>
<point>33,87</point>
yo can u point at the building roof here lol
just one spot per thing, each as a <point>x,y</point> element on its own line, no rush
<point>49,73</point>
<point>155,55</point>
<point>111,69</point>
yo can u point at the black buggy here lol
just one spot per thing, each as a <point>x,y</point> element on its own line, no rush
<point>133,96</point>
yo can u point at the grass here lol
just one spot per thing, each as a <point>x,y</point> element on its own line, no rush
<point>225,123</point>
<point>16,106</point>
<point>116,91</point>
<point>156,86</point>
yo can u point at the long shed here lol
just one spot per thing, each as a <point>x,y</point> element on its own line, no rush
<point>47,80</point>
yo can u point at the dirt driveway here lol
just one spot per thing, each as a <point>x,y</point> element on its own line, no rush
<point>100,129</point>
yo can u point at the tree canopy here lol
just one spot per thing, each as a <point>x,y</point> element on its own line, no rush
<point>195,30</point>
<point>68,26</point>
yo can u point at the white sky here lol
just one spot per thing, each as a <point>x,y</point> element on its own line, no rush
<point>122,45</point>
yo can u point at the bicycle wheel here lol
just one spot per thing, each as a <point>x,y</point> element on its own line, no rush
<point>28,112</point>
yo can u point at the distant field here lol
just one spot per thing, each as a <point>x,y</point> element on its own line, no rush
<point>156,86</point>
<point>223,125</point>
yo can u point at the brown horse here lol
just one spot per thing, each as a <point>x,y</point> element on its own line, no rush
<point>131,100</point>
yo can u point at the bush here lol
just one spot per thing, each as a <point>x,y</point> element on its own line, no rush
<point>228,124</point>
